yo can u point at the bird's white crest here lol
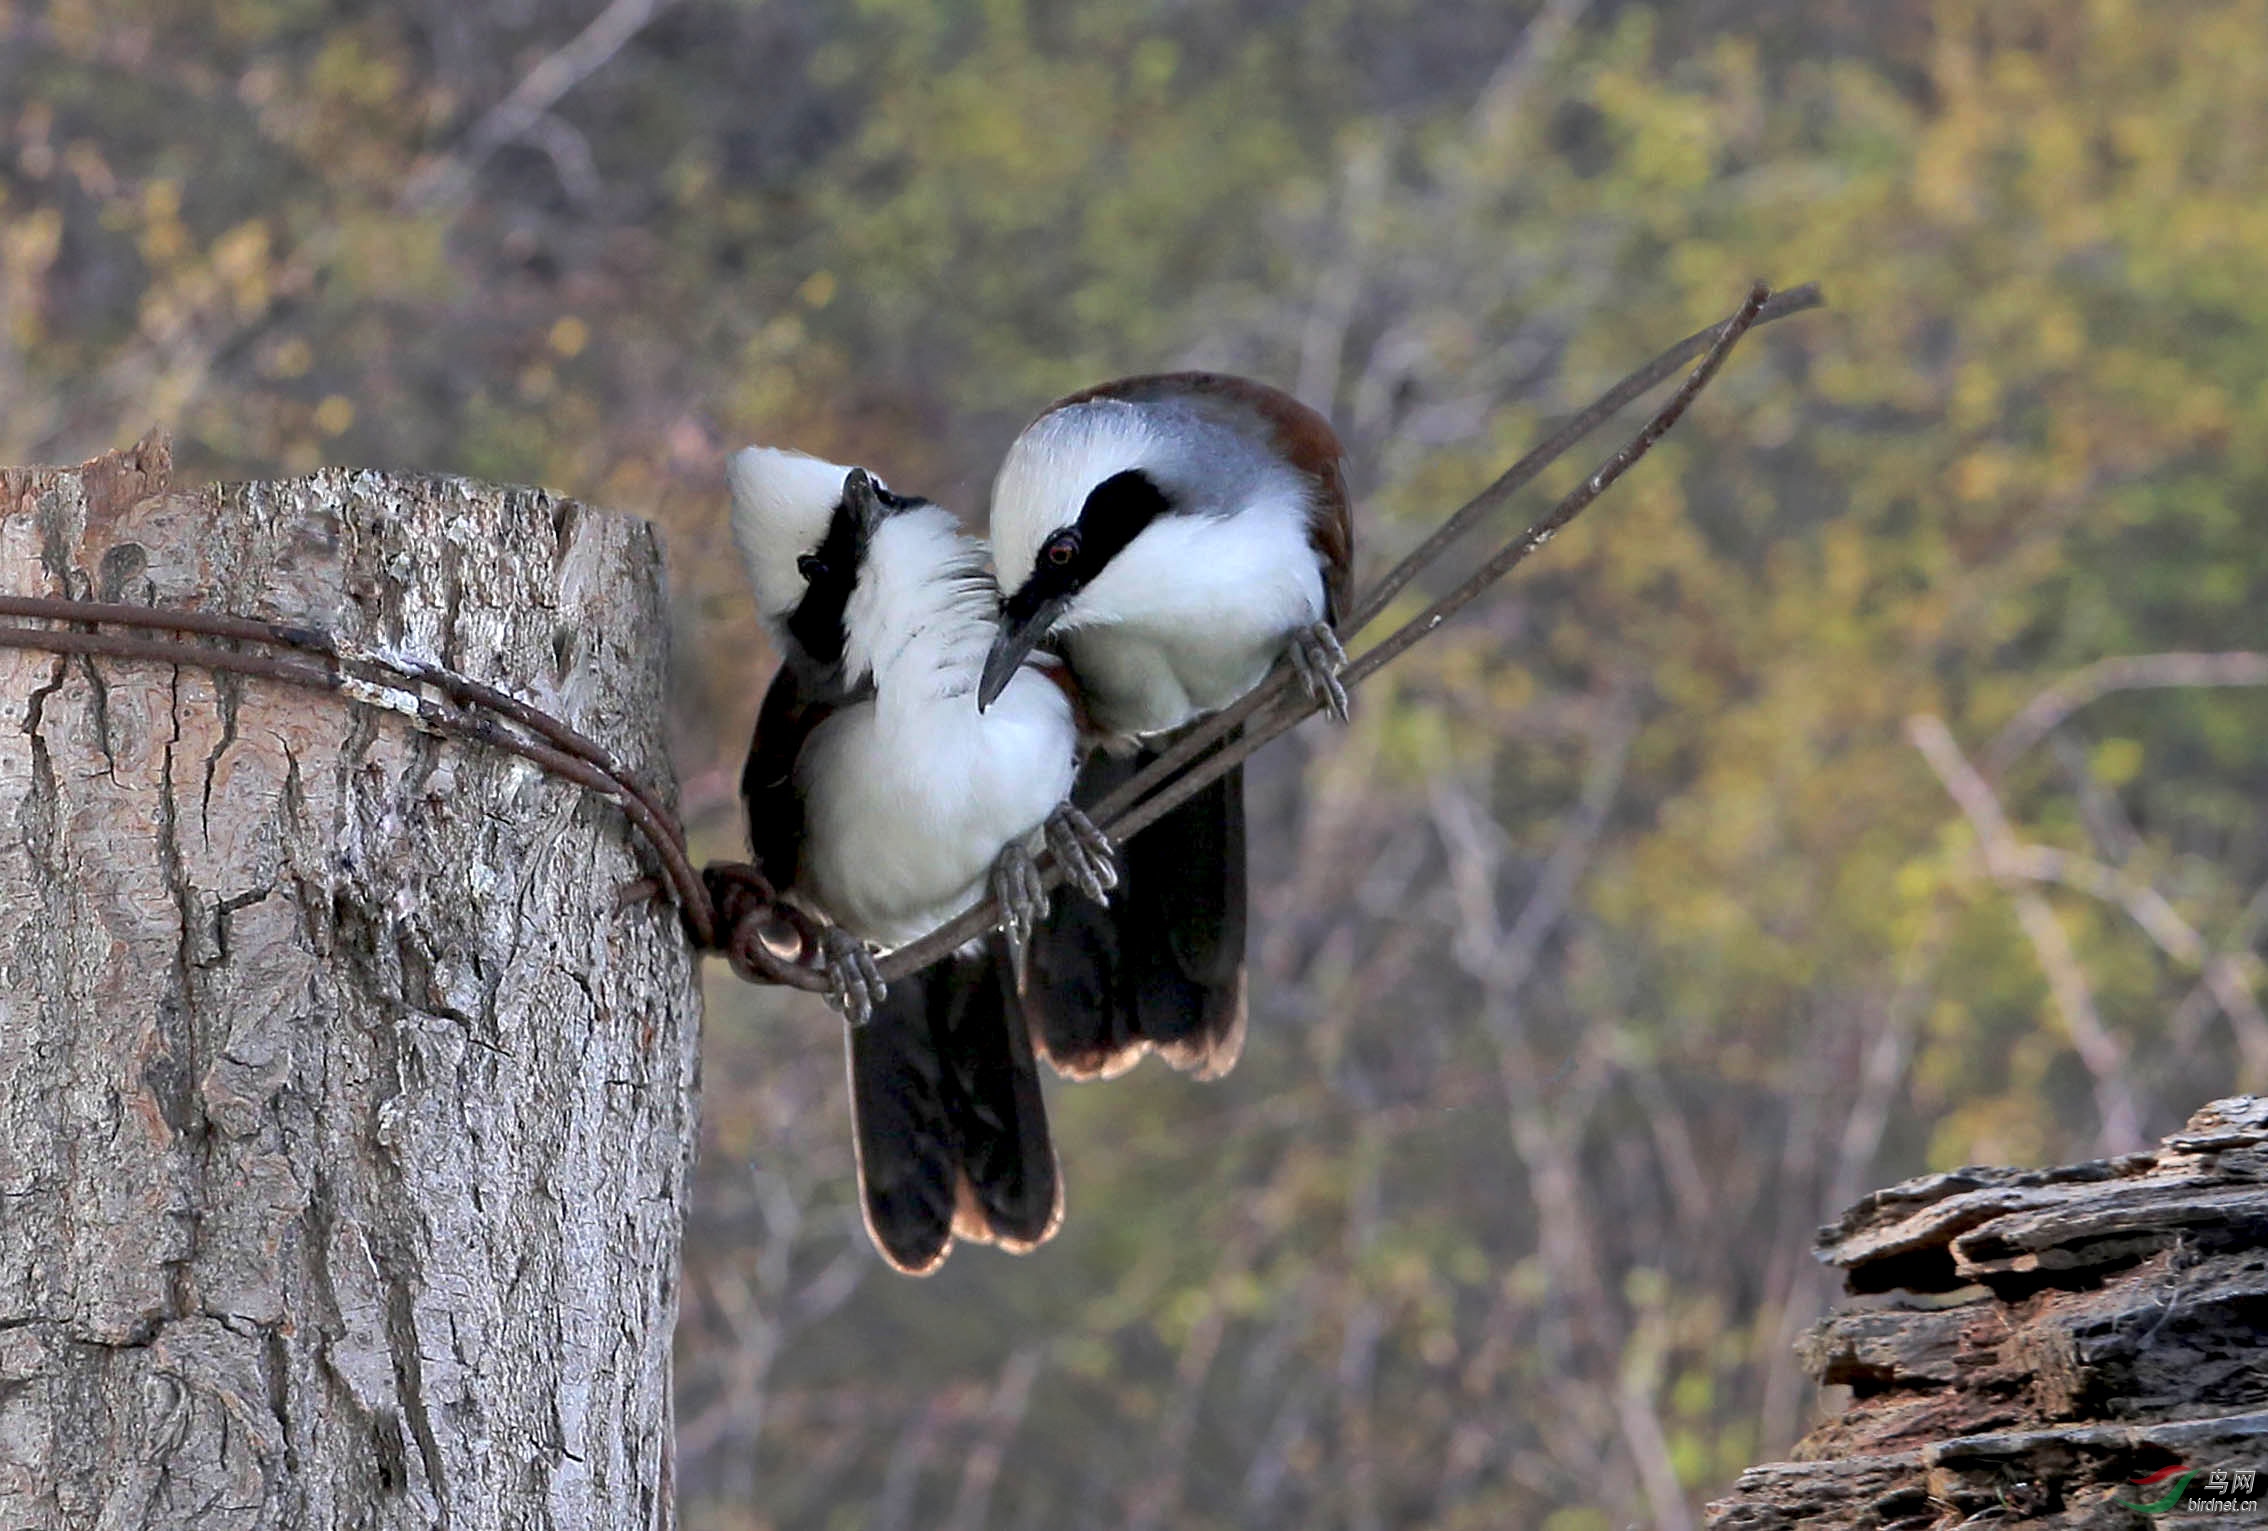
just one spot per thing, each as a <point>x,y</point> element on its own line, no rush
<point>1190,614</point>
<point>781,504</point>
<point>1053,466</point>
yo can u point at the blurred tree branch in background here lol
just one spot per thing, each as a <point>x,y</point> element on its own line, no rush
<point>2011,866</point>
<point>2044,713</point>
<point>443,184</point>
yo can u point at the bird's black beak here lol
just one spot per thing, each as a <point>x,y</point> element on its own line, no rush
<point>863,499</point>
<point>1020,633</point>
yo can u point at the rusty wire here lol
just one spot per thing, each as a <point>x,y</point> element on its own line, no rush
<point>730,907</point>
<point>447,703</point>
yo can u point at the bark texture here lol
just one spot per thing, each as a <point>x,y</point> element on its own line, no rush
<point>344,1122</point>
<point>2022,1344</point>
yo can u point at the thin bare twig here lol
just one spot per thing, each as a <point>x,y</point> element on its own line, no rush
<point>1641,1420</point>
<point>2105,817</point>
<point>2103,1055</point>
<point>2135,672</point>
<point>1365,1326</point>
<point>2223,976</point>
<point>2232,963</point>
<point>917,1442</point>
<point>1160,1493</point>
<point>1501,959</point>
<point>1546,1133</point>
<point>1323,338</point>
<point>1505,956</point>
<point>1003,1416</point>
<point>444,183</point>
<point>1621,396</point>
<point>1540,41</point>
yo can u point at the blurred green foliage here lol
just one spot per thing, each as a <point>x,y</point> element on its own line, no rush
<point>1486,1230</point>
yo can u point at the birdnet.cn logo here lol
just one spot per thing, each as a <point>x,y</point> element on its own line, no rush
<point>2194,1491</point>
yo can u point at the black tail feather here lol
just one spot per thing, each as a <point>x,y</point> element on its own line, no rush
<point>1163,967</point>
<point>906,1161</point>
<point>992,1093</point>
<point>951,1129</point>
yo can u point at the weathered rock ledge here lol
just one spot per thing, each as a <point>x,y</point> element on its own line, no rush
<point>2023,1344</point>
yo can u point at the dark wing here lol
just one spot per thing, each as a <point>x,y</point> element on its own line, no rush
<point>1009,1190</point>
<point>1330,531</point>
<point>907,1165</point>
<point>1301,434</point>
<point>1162,967</point>
<point>792,710</point>
<point>952,1132</point>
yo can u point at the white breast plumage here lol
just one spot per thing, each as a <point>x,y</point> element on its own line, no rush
<point>911,793</point>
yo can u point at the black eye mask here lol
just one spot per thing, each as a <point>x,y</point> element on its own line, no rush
<point>830,573</point>
<point>1116,511</point>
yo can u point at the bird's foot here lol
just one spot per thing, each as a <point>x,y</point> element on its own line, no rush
<point>855,983</point>
<point>1088,859</point>
<point>1317,658</point>
<point>1023,898</point>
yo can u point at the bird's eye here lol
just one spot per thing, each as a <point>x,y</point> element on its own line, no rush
<point>1061,550</point>
<point>811,566</point>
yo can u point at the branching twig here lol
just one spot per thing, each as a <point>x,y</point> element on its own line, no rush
<point>2223,975</point>
<point>443,183</point>
<point>2133,672</point>
<point>1003,1415</point>
<point>1160,1493</point>
<point>2101,1052</point>
<point>2231,965</point>
<point>1540,42</point>
<point>1621,396</point>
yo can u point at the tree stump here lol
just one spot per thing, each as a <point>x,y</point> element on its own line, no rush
<point>344,1121</point>
<point>2022,1346</point>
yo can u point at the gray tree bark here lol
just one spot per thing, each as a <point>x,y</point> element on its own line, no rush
<point>344,1122</point>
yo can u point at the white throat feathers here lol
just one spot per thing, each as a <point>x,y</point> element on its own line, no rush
<point>920,617</point>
